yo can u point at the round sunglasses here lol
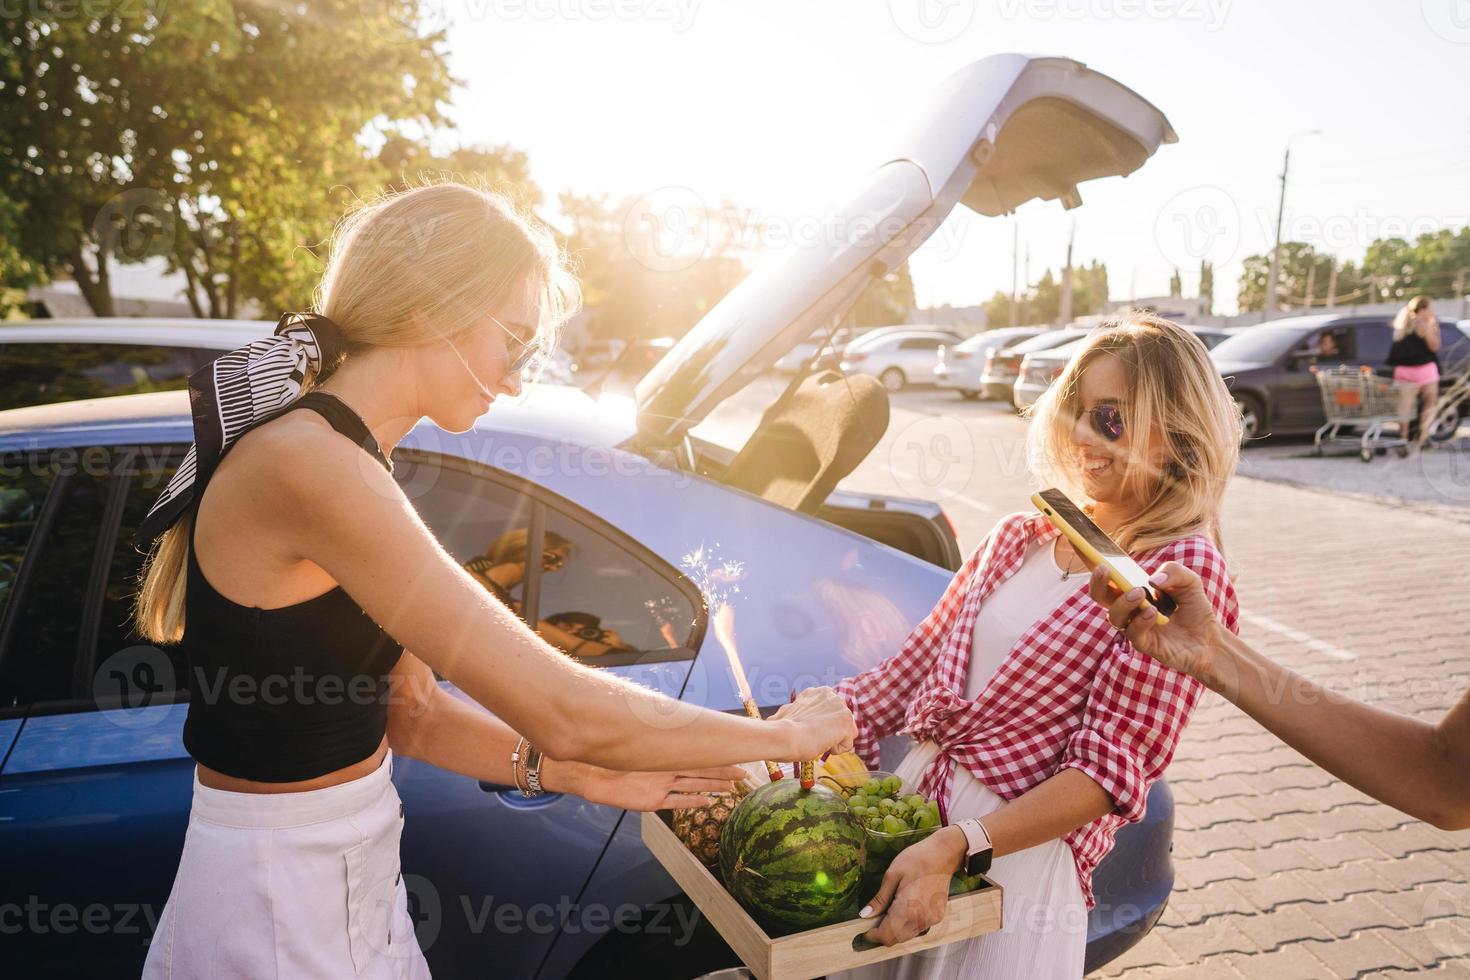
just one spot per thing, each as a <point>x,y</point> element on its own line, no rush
<point>1107,421</point>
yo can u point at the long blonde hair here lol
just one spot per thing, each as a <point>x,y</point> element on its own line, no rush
<point>404,268</point>
<point>1403,321</point>
<point>1174,390</point>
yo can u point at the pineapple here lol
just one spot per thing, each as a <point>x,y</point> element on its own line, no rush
<point>699,827</point>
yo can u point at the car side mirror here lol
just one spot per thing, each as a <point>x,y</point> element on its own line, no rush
<point>1296,359</point>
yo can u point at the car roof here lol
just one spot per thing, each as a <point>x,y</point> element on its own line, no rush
<point>557,412</point>
<point>152,331</point>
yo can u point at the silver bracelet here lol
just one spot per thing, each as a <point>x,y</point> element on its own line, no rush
<point>533,772</point>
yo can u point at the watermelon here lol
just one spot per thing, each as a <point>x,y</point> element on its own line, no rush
<point>793,856</point>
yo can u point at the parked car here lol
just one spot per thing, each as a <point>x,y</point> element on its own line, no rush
<point>961,365</point>
<point>899,357</point>
<point>805,355</point>
<point>63,360</point>
<point>1039,369</point>
<point>1268,367</point>
<point>1003,365</point>
<point>94,781</point>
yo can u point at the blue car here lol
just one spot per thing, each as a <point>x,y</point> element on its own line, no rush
<point>94,781</point>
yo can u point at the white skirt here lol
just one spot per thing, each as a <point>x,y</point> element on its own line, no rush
<point>281,885</point>
<point>1044,933</point>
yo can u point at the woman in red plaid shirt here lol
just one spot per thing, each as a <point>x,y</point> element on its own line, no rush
<point>1038,726</point>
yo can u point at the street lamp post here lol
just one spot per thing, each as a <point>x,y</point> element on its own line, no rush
<point>1275,273</point>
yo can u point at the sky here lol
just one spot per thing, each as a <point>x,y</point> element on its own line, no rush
<point>781,106</point>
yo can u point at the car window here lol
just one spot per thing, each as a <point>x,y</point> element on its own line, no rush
<point>593,594</point>
<point>23,489</point>
<point>72,645</point>
<point>601,602</point>
<point>921,343</point>
<point>37,374</point>
<point>1330,344</point>
<point>1372,341</point>
<point>44,618</point>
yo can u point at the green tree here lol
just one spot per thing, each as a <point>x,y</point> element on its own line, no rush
<point>224,135</point>
<point>1176,285</point>
<point>627,292</point>
<point>1207,286</point>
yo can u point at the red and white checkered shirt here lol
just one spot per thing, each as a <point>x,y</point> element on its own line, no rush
<point>1072,693</point>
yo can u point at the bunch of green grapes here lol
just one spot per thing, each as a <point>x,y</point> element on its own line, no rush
<point>882,810</point>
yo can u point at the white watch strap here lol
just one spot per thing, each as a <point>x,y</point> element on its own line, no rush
<point>976,837</point>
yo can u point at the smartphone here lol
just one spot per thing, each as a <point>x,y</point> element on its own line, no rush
<point>1099,549</point>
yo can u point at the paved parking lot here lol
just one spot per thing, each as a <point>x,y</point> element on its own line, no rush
<point>1283,871</point>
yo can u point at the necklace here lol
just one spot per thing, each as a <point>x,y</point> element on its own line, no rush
<point>1068,572</point>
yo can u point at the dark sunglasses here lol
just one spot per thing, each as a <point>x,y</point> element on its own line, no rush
<point>517,351</point>
<point>1107,421</point>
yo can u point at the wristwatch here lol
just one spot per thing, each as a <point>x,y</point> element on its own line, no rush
<point>977,846</point>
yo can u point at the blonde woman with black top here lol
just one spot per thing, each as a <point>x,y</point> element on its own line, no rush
<point>287,563</point>
<point>1415,359</point>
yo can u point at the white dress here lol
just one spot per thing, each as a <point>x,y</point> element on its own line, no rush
<point>1045,916</point>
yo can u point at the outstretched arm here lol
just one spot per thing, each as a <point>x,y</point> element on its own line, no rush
<point>428,723</point>
<point>1418,767</point>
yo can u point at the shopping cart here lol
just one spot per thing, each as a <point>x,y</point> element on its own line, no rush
<point>1358,404</point>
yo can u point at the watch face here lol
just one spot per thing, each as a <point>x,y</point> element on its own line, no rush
<point>979,862</point>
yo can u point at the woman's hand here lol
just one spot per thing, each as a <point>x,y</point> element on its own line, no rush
<point>640,790</point>
<point>821,722</point>
<point>1187,642</point>
<point>915,890</point>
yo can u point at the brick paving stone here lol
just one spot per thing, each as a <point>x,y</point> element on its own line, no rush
<point>1266,893</point>
<point>1360,953</point>
<point>1281,926</point>
<point>1293,962</point>
<point>1346,916</point>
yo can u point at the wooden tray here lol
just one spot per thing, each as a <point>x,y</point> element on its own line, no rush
<point>804,955</point>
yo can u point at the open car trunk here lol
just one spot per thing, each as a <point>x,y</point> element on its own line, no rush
<point>995,134</point>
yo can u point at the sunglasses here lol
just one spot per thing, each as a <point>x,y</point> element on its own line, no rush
<point>518,352</point>
<point>1106,420</point>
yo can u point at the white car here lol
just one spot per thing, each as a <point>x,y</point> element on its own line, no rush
<point>45,361</point>
<point>961,365</point>
<point>898,358</point>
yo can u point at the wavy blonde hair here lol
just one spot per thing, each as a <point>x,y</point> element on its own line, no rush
<point>1403,320</point>
<point>1175,393</point>
<point>404,268</point>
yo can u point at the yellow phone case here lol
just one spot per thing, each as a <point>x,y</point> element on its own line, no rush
<point>1124,578</point>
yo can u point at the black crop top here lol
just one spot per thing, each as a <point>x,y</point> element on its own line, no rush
<point>291,693</point>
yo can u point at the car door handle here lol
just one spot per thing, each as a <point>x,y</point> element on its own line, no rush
<point>512,797</point>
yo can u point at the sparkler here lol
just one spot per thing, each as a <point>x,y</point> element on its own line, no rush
<point>719,581</point>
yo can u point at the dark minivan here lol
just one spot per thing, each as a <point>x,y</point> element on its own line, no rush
<point>1268,368</point>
